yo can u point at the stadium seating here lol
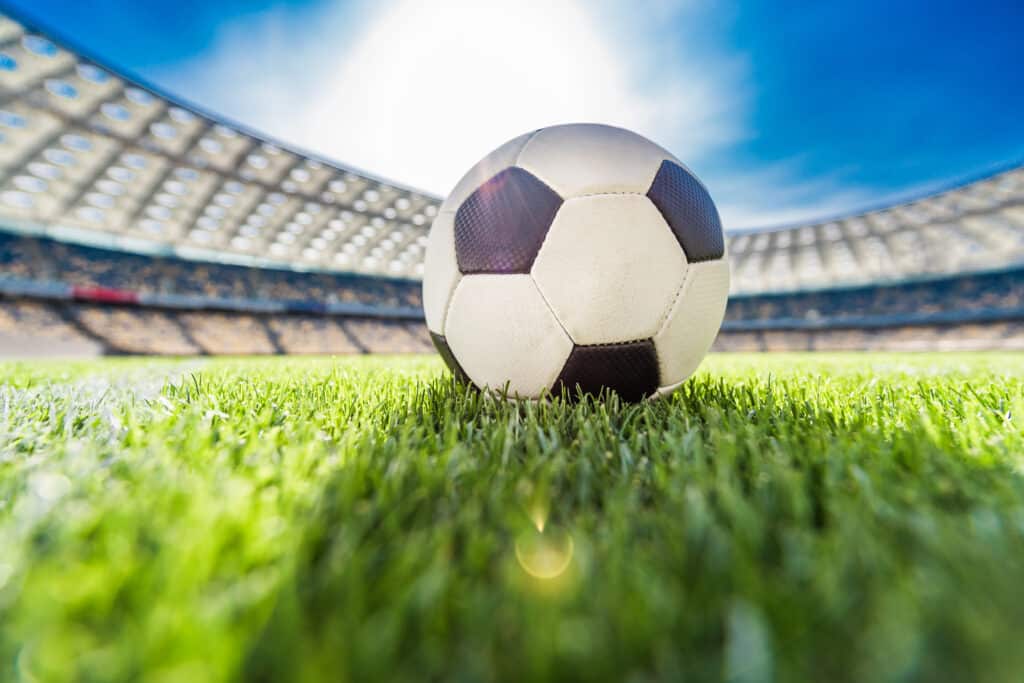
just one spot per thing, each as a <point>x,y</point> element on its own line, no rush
<point>81,266</point>
<point>37,318</point>
<point>960,298</point>
<point>130,223</point>
<point>161,305</point>
<point>1006,336</point>
<point>111,329</point>
<point>115,329</point>
<point>262,311</point>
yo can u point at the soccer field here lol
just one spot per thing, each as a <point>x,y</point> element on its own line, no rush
<point>787,517</point>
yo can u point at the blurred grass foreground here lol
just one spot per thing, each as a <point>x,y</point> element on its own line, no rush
<point>793,517</point>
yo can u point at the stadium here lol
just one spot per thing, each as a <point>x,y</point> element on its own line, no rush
<point>861,512</point>
<point>136,225</point>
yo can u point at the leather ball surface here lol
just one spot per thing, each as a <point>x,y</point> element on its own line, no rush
<point>579,257</point>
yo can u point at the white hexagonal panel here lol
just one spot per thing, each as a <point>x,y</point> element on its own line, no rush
<point>587,158</point>
<point>610,268</point>
<point>498,160</point>
<point>693,322</point>
<point>440,270</point>
<point>501,331</point>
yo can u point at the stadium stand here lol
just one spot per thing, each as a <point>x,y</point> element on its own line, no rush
<point>114,329</point>
<point>978,226</point>
<point>132,223</point>
<point>88,267</point>
<point>138,304</point>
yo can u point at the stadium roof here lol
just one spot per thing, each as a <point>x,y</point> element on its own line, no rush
<point>976,227</point>
<point>91,156</point>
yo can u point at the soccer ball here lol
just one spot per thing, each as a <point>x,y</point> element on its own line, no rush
<point>580,257</point>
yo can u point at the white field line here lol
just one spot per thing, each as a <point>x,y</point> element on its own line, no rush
<point>49,434</point>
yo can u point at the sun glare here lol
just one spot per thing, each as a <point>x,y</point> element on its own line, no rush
<point>438,84</point>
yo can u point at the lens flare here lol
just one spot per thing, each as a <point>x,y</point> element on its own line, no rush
<point>544,553</point>
<point>539,515</point>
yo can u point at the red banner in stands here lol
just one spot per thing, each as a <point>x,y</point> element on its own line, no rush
<point>105,295</point>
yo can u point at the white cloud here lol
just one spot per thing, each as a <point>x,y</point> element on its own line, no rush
<point>439,86</point>
<point>423,90</point>
<point>780,193</point>
<point>418,91</point>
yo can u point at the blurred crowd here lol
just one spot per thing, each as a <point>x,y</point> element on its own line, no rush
<point>104,328</point>
<point>1002,291</point>
<point>48,260</point>
<point>991,306</point>
<point>999,335</point>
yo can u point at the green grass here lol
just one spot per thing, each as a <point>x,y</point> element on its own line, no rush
<point>791,517</point>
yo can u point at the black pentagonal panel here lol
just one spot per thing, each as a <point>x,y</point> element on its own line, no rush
<point>630,369</point>
<point>500,227</point>
<point>689,211</point>
<point>441,344</point>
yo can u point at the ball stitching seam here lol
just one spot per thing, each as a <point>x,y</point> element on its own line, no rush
<point>687,278</point>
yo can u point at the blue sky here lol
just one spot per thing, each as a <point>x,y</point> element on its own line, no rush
<point>788,110</point>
